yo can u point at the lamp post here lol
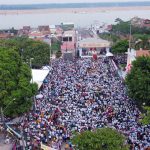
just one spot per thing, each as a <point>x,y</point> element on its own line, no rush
<point>130,37</point>
<point>31,68</point>
<point>50,53</point>
<point>32,81</point>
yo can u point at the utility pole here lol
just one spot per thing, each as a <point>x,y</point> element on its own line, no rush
<point>50,52</point>
<point>32,82</point>
<point>2,116</point>
<point>130,37</point>
<point>22,139</point>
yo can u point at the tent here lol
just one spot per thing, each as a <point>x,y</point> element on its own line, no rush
<point>109,54</point>
<point>47,68</point>
<point>38,76</point>
<point>39,96</point>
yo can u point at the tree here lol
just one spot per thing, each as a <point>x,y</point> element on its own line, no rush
<point>118,20</point>
<point>101,139</point>
<point>28,48</point>
<point>146,116</point>
<point>142,41</point>
<point>138,81</point>
<point>58,54</point>
<point>120,47</point>
<point>15,90</point>
<point>55,47</point>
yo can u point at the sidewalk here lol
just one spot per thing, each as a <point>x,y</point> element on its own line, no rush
<point>4,146</point>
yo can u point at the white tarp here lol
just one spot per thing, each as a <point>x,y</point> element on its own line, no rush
<point>39,76</point>
<point>39,96</point>
<point>109,54</point>
<point>46,68</point>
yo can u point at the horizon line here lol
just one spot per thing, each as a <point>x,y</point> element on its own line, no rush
<point>76,3</point>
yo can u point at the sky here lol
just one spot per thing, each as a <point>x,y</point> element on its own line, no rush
<point>59,1</point>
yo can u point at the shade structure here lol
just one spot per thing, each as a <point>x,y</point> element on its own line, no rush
<point>39,96</point>
<point>93,43</point>
<point>109,54</point>
<point>38,76</point>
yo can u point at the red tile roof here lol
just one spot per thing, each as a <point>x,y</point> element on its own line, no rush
<point>142,53</point>
<point>4,35</point>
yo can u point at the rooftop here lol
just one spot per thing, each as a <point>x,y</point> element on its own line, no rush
<point>142,52</point>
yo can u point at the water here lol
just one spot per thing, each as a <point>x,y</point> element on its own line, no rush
<point>80,19</point>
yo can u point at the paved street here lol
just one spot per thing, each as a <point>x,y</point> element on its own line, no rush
<point>4,146</point>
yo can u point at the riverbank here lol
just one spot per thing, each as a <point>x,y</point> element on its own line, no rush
<point>74,10</point>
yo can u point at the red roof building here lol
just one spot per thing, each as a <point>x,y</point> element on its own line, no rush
<point>142,52</point>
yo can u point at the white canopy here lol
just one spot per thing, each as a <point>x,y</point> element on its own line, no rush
<point>109,54</point>
<point>46,68</point>
<point>39,96</point>
<point>39,76</point>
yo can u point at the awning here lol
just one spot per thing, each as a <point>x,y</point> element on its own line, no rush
<point>109,54</point>
<point>93,43</point>
<point>39,76</point>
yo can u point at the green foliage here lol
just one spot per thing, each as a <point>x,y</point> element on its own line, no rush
<point>110,37</point>
<point>15,90</point>
<point>55,47</point>
<point>29,48</point>
<point>146,116</point>
<point>141,41</point>
<point>120,47</point>
<point>122,27</point>
<point>138,81</point>
<point>58,54</point>
<point>101,139</point>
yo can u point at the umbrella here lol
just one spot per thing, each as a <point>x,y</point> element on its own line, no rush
<point>39,96</point>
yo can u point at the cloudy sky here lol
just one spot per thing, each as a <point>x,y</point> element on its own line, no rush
<point>58,1</point>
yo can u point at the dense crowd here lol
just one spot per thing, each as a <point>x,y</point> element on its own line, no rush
<point>120,60</point>
<point>83,95</point>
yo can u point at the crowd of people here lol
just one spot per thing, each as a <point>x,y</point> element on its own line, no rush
<point>120,60</point>
<point>83,95</point>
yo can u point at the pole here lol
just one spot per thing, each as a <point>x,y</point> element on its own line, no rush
<point>130,37</point>
<point>2,116</point>
<point>50,53</point>
<point>32,82</point>
<point>22,139</point>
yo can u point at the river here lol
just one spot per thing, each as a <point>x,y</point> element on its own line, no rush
<point>83,19</point>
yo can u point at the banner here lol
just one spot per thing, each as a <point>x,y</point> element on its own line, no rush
<point>44,147</point>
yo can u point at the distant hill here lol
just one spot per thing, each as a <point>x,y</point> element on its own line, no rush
<point>73,5</point>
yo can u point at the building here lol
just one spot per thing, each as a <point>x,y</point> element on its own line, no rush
<point>92,45</point>
<point>44,30</point>
<point>52,29</point>
<point>67,26</point>
<point>6,35</point>
<point>146,23</point>
<point>24,31</point>
<point>36,34</point>
<point>69,42</point>
<point>133,54</point>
